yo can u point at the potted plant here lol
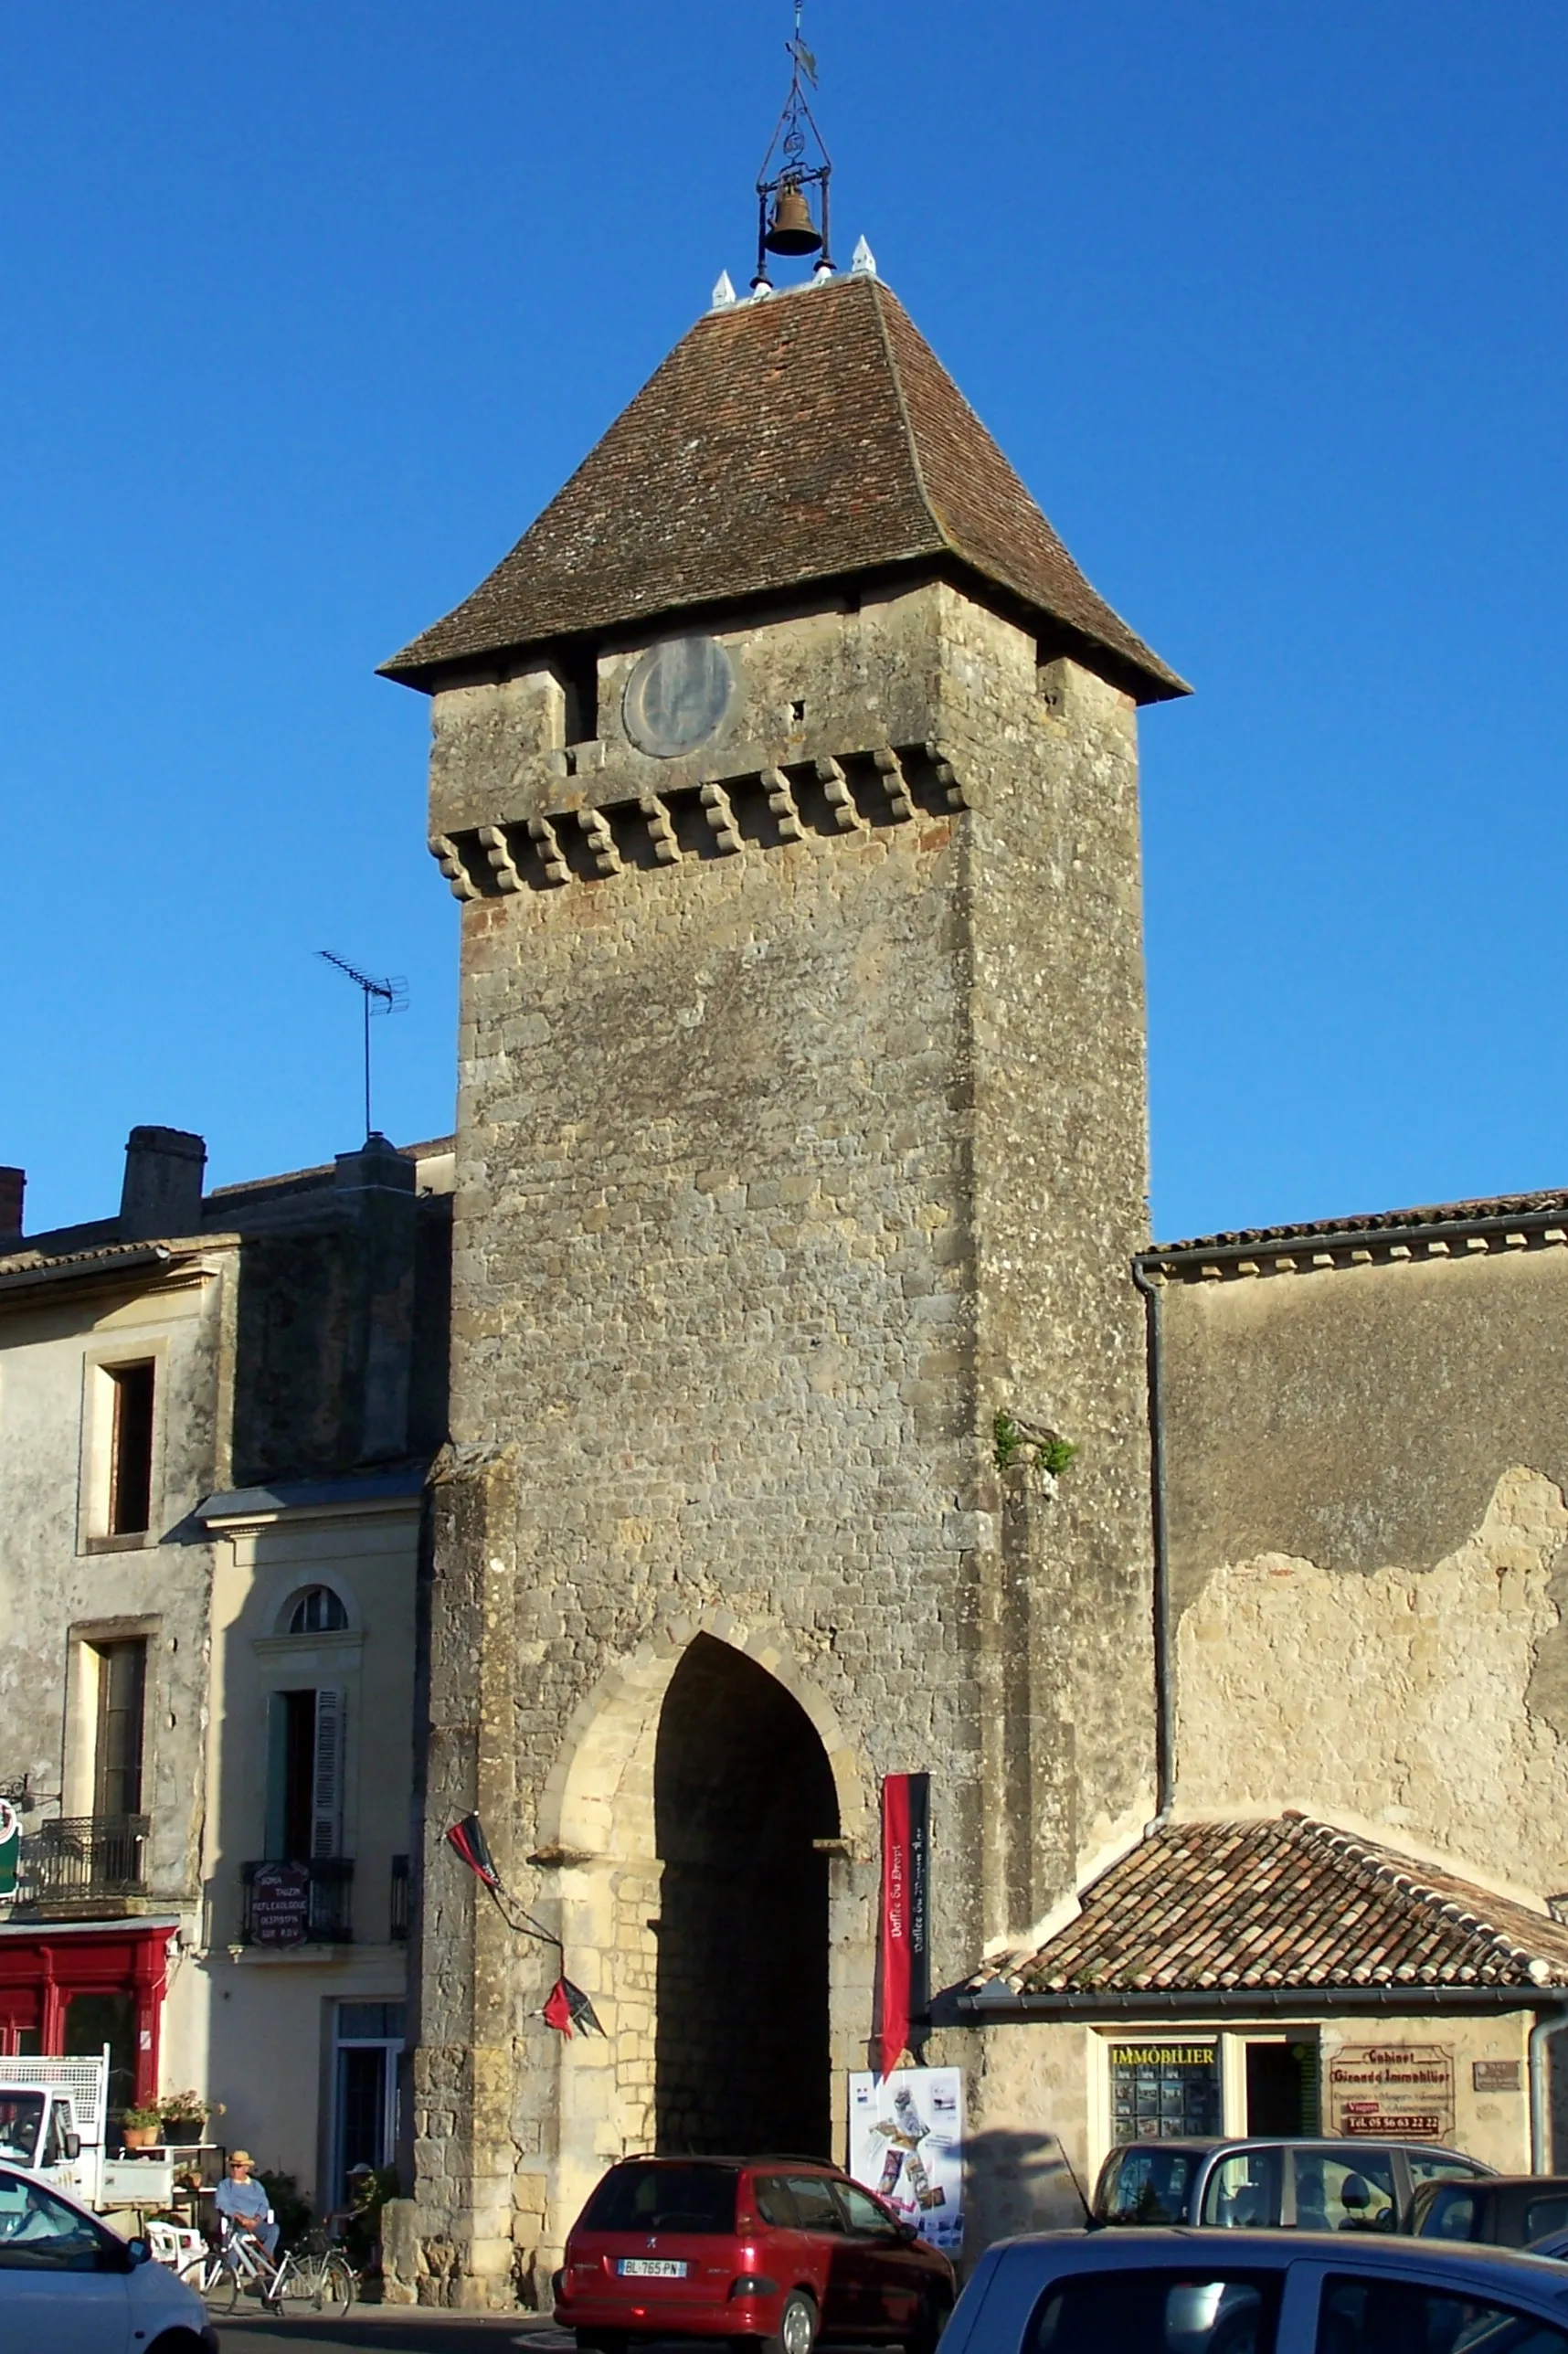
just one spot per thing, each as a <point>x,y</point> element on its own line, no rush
<point>183,2115</point>
<point>140,2128</point>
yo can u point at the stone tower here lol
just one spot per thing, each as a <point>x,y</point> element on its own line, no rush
<point>786,771</point>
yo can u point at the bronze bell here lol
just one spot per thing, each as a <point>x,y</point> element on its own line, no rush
<point>791,228</point>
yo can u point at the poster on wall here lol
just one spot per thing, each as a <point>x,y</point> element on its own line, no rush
<point>1393,2092</point>
<point>906,2143</point>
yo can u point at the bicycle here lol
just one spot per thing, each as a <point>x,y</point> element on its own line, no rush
<point>315,2274</point>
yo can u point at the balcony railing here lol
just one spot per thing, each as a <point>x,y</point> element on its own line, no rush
<point>298,1903</point>
<point>79,1861</point>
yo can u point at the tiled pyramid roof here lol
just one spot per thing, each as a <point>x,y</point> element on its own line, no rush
<point>1289,1902</point>
<point>802,439</point>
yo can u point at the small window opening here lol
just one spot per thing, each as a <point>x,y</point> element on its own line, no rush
<point>317,1611</point>
<point>130,1452</point>
<point>797,709</point>
<point>579,677</point>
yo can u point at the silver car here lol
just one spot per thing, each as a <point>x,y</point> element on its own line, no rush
<point>1315,2184</point>
<point>70,2286</point>
<point>1180,2291</point>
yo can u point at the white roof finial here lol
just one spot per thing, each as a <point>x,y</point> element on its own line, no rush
<point>862,261</point>
<point>724,295</point>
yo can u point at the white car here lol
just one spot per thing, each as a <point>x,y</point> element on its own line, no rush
<point>70,2286</point>
<point>1185,2290</point>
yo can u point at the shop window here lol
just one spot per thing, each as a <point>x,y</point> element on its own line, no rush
<point>1161,2091</point>
<point>122,1709</point>
<point>316,1610</point>
<point>131,1450</point>
<point>304,1775</point>
<point>95,2021</point>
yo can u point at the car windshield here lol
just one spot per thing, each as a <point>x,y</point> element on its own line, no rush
<point>1151,2185</point>
<point>664,2198</point>
<point>21,2114</point>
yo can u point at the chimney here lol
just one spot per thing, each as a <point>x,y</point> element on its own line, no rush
<point>13,1185</point>
<point>162,1193</point>
<point>376,1191</point>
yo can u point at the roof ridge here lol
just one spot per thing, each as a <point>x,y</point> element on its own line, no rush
<point>901,397</point>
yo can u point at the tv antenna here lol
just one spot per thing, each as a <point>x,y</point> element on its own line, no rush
<point>389,996</point>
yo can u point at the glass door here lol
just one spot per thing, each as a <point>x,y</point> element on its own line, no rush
<point>369,2045</point>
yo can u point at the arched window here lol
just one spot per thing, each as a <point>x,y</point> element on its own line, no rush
<point>317,1611</point>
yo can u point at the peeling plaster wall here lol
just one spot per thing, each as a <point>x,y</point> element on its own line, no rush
<point>1367,1472</point>
<point>62,1576</point>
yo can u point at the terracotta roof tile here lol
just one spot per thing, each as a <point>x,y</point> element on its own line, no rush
<point>799,440</point>
<point>1286,1902</point>
<point>1553,1204</point>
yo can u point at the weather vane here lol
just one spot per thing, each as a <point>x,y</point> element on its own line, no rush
<point>796,162</point>
<point>389,996</point>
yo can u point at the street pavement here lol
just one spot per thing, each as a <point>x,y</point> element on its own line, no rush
<point>395,2329</point>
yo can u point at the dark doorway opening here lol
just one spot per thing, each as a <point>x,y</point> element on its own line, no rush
<point>1282,2087</point>
<point>742,1787</point>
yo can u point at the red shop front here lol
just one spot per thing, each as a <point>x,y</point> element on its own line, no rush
<point>71,1990</point>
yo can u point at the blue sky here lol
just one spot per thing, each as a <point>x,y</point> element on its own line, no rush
<point>308,309</point>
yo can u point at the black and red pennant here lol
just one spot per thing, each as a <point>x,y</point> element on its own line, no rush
<point>568,2008</point>
<point>468,1838</point>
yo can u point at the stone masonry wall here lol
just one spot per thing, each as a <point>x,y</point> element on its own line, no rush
<point>782,1164</point>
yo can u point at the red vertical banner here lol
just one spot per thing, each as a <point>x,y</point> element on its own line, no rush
<point>904,1967</point>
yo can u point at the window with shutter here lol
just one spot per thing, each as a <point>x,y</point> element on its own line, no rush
<point>326,1797</point>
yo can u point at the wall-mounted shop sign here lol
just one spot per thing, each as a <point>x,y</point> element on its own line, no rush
<point>1398,2092</point>
<point>279,1904</point>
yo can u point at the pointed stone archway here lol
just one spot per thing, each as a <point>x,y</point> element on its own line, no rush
<point>742,1793</point>
<point>624,1811</point>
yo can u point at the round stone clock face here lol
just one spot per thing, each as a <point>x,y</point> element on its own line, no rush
<point>677,696</point>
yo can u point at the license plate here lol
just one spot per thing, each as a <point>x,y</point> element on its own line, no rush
<point>651,2268</point>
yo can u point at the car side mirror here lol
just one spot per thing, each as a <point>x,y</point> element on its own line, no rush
<point>139,2252</point>
<point>73,2146</point>
<point>907,2232</point>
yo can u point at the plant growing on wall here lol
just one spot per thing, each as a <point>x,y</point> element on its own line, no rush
<point>1045,1452</point>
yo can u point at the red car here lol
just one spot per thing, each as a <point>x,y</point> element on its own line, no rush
<point>770,2250</point>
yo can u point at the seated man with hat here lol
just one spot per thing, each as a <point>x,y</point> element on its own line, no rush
<point>244,2204</point>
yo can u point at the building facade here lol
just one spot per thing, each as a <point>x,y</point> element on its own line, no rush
<point>214,1416</point>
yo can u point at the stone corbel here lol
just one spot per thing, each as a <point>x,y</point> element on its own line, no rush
<point>444,850</point>
<point>541,833</point>
<point>781,801</point>
<point>498,851</point>
<point>894,784</point>
<point>841,800</point>
<point>947,776</point>
<point>601,842</point>
<point>721,817</point>
<point>661,830</point>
